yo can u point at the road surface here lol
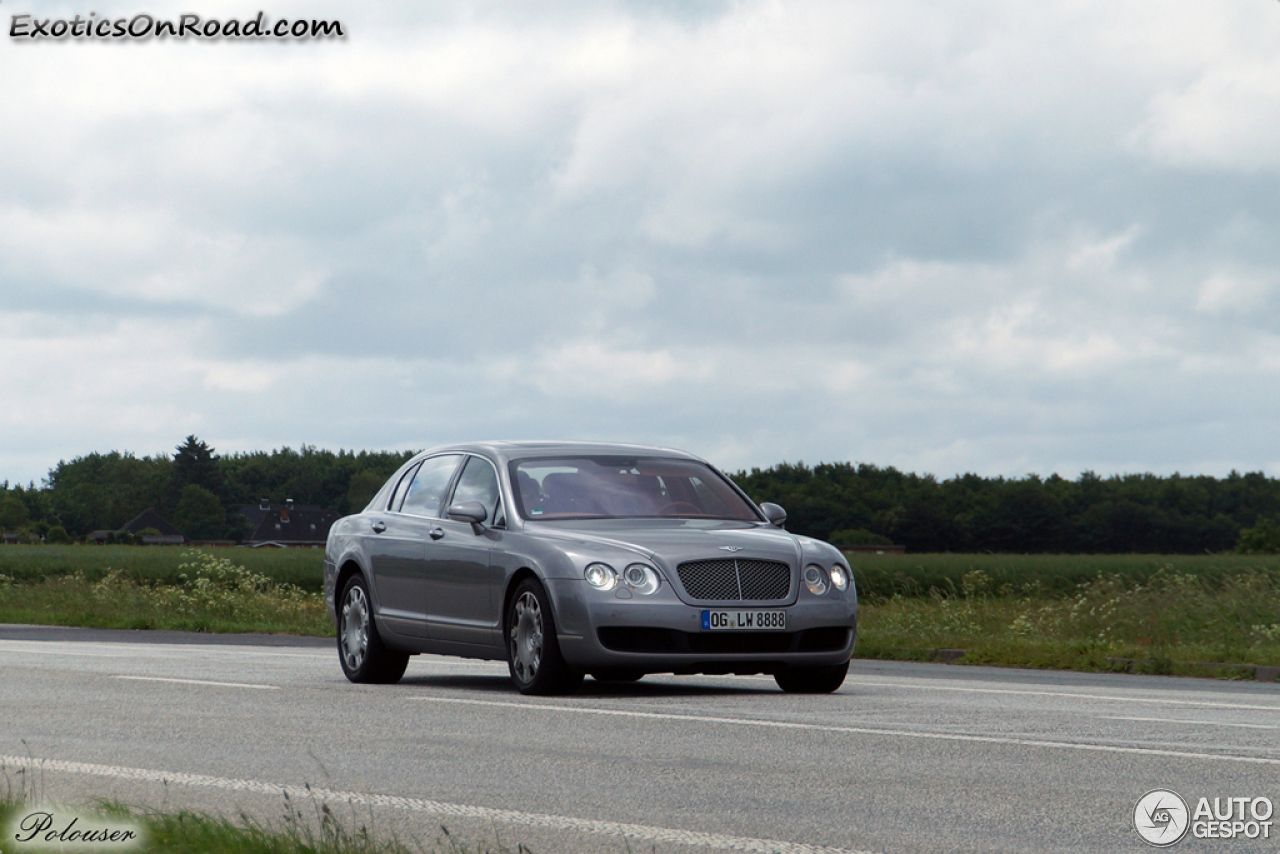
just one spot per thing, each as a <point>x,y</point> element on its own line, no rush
<point>904,758</point>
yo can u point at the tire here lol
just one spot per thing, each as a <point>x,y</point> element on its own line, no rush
<point>533,653</point>
<point>812,680</point>
<point>363,655</point>
<point>619,674</point>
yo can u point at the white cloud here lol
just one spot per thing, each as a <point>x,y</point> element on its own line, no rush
<point>977,236</point>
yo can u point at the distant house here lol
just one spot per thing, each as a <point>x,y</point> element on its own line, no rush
<point>147,519</point>
<point>287,525</point>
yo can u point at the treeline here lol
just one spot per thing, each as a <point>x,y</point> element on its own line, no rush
<point>1142,513</point>
<point>197,490</point>
<point>200,492</point>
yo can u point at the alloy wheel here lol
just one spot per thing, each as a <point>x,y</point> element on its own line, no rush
<point>355,628</point>
<point>526,637</point>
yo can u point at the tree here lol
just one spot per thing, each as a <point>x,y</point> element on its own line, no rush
<point>199,514</point>
<point>13,514</point>
<point>195,463</point>
<point>364,485</point>
<point>57,535</point>
<point>1262,539</point>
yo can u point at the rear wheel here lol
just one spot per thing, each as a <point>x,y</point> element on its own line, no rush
<point>811,680</point>
<point>364,657</point>
<point>534,658</point>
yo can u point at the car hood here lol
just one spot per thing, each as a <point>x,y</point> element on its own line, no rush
<point>671,542</point>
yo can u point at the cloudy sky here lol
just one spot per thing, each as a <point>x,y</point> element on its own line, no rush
<point>1000,237</point>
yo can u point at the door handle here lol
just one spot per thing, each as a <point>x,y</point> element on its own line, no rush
<point>437,533</point>
<point>378,527</point>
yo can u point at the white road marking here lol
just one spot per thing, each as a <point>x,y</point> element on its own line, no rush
<point>201,682</point>
<point>1197,723</point>
<point>640,832</point>
<point>930,685</point>
<point>893,733</point>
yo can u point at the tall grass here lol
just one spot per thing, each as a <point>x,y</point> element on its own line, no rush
<point>884,575</point>
<point>192,832</point>
<point>211,594</point>
<point>302,568</point>
<point>1166,623</point>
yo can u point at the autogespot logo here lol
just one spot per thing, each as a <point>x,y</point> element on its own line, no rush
<point>1161,817</point>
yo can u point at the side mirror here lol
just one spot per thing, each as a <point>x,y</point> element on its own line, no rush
<point>468,511</point>
<point>775,514</point>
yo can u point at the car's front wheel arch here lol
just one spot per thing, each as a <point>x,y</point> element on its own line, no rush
<point>348,569</point>
<point>512,583</point>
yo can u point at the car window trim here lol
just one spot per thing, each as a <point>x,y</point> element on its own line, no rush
<point>448,488</point>
<point>514,464</point>
<point>457,478</point>
<point>405,479</point>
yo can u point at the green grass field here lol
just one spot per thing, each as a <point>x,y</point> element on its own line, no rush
<point>302,568</point>
<point>914,575</point>
<point>1161,613</point>
<point>205,590</point>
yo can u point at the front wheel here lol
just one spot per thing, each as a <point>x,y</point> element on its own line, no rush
<point>812,680</point>
<point>533,654</point>
<point>365,658</point>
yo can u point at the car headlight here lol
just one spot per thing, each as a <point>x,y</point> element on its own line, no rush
<point>815,579</point>
<point>641,578</point>
<point>839,577</point>
<point>601,576</point>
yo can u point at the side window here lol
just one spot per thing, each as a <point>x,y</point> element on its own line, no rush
<point>479,482</point>
<point>401,488</point>
<point>426,493</point>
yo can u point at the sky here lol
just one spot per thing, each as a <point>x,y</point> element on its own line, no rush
<point>993,237</point>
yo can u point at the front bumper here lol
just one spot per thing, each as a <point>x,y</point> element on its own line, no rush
<point>661,634</point>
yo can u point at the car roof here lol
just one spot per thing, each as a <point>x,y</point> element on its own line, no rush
<point>506,450</point>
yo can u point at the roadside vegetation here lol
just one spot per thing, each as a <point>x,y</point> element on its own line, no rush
<point>1148,614</point>
<point>190,832</point>
<point>201,592</point>
<point>302,568</point>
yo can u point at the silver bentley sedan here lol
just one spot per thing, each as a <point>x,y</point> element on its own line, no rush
<point>566,559</point>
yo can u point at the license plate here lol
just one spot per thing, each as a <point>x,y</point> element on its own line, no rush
<point>737,621</point>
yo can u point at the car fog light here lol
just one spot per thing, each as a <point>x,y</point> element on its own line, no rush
<point>601,576</point>
<point>839,577</point>
<point>641,578</point>
<point>815,579</point>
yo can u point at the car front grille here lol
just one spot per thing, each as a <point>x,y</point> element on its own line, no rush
<point>730,579</point>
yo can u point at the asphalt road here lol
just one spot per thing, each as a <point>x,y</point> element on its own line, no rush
<point>904,758</point>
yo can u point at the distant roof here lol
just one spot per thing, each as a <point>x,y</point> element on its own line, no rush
<point>255,512</point>
<point>149,518</point>
<point>305,524</point>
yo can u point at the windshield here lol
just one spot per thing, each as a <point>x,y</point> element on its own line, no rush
<point>624,488</point>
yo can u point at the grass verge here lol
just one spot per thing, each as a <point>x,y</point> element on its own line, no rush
<point>302,568</point>
<point>1168,623</point>
<point>210,594</point>
<point>1154,614</point>
<point>915,575</point>
<point>190,832</point>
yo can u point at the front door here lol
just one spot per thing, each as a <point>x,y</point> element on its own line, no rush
<point>462,598</point>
